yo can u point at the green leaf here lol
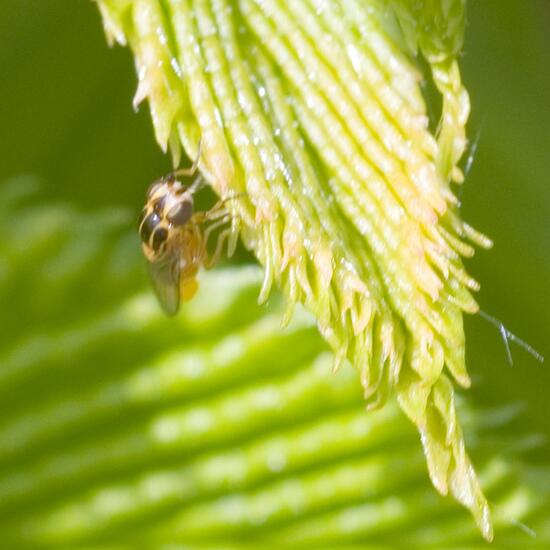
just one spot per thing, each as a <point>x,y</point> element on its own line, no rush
<point>122,428</point>
<point>311,114</point>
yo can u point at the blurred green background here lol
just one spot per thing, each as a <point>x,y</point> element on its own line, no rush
<point>66,118</point>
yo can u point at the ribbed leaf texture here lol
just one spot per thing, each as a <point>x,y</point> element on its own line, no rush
<point>123,429</point>
<point>311,113</point>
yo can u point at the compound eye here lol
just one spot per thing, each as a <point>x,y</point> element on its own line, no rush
<point>148,225</point>
<point>159,238</point>
<point>158,205</point>
<point>181,213</point>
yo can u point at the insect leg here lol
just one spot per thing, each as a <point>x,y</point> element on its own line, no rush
<point>186,172</point>
<point>219,212</point>
<point>216,213</point>
<point>214,226</point>
<point>218,209</point>
<point>222,238</point>
<point>209,262</point>
<point>198,182</point>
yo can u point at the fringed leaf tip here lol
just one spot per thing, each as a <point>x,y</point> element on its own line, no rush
<point>312,112</point>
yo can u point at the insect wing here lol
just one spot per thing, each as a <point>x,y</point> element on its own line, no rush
<point>165,275</point>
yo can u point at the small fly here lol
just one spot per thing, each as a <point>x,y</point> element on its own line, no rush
<point>174,236</point>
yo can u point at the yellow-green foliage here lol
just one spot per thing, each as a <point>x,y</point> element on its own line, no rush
<point>312,114</point>
<point>123,429</point>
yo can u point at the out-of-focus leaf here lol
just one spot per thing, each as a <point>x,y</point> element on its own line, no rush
<point>217,429</point>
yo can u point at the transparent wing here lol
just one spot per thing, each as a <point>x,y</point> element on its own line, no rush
<point>165,275</point>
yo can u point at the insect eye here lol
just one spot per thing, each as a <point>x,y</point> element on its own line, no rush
<point>148,226</point>
<point>158,205</point>
<point>181,213</point>
<point>159,237</point>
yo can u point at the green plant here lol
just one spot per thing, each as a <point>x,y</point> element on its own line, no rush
<point>88,364</point>
<point>121,428</point>
<point>312,114</point>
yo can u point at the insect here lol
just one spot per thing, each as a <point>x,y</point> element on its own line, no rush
<point>174,237</point>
